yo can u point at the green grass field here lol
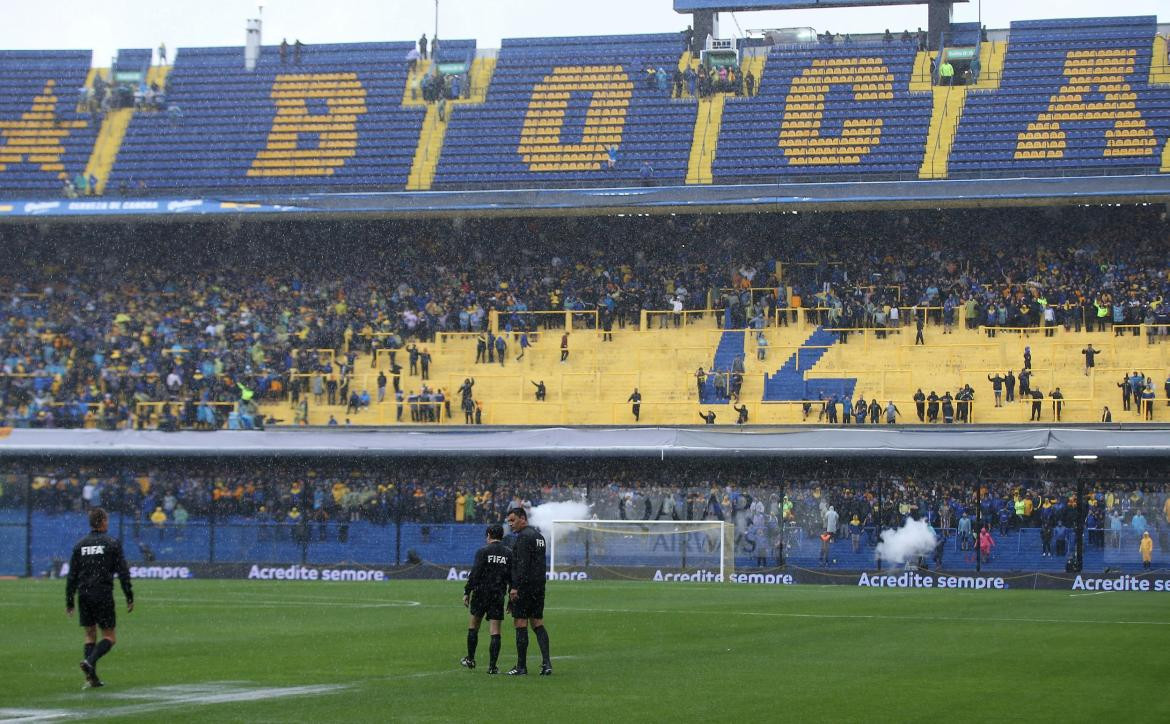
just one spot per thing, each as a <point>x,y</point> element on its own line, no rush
<point>248,651</point>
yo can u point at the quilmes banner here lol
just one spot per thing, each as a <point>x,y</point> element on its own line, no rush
<point>1153,582</point>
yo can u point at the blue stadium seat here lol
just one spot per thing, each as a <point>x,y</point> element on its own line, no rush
<point>225,138</point>
<point>836,81</point>
<point>1026,127</point>
<point>487,145</point>
<point>42,135</point>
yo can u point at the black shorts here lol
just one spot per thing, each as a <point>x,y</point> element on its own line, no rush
<point>529,603</point>
<point>487,604</point>
<point>96,611</point>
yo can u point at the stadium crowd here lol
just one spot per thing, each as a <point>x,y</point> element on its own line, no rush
<point>788,507</point>
<point>212,318</point>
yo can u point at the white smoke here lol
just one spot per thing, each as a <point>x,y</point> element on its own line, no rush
<point>913,540</point>
<point>543,515</point>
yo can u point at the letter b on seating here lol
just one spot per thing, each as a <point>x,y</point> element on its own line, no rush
<point>335,130</point>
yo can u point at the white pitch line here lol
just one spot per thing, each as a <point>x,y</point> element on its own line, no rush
<point>170,697</point>
<point>33,715</point>
<point>858,616</point>
<point>263,603</point>
<point>162,698</point>
<point>1094,593</point>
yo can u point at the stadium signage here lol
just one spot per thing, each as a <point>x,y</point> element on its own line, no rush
<point>706,576</point>
<point>461,574</point>
<point>308,573</point>
<point>919,579</point>
<point>915,579</point>
<point>114,205</point>
<point>35,207</point>
<point>164,573</point>
<point>778,579</point>
<point>137,207</point>
<point>696,577</point>
<point>1121,583</point>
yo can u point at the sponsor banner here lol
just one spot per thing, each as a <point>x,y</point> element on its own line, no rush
<point>98,207</point>
<point>261,572</point>
<point>913,578</point>
<point>460,574</point>
<point>1142,583</point>
<point>321,573</point>
<point>899,578</point>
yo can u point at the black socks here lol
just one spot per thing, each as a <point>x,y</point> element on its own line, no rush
<point>494,649</point>
<point>472,642</point>
<point>542,640</point>
<point>103,647</point>
<point>522,648</point>
<point>88,651</point>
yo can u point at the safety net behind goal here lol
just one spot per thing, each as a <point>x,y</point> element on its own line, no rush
<point>691,546</point>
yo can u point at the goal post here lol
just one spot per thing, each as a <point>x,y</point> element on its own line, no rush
<point>676,545</point>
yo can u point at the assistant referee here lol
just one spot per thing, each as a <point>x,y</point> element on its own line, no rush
<point>527,594</point>
<point>487,585</point>
<point>96,558</point>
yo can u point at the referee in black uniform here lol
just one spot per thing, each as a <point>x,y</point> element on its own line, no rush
<point>527,593</point>
<point>96,558</point>
<point>487,585</point>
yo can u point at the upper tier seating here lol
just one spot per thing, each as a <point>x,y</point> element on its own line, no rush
<point>333,121</point>
<point>554,107</point>
<point>827,110</point>
<point>1075,95</point>
<point>42,136</point>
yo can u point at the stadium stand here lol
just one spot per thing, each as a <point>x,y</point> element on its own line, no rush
<point>189,303</point>
<point>337,512</point>
<point>1047,97</point>
<point>44,138</point>
<point>793,317</point>
<point>1076,96</point>
<point>558,107</point>
<point>335,120</point>
<point>843,110</point>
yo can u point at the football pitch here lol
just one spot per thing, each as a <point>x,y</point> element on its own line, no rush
<point>310,651</point>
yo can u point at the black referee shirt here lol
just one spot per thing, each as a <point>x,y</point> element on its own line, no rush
<point>96,558</point>
<point>528,565</point>
<point>492,572</point>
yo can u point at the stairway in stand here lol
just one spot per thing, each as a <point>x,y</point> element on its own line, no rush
<point>789,384</point>
<point>731,345</point>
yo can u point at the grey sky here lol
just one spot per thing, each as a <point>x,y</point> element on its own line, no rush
<point>107,25</point>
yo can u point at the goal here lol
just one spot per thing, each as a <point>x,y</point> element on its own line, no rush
<point>692,546</point>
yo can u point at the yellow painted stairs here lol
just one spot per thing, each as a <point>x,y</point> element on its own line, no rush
<point>709,119</point>
<point>1160,75</point>
<point>434,129</point>
<point>949,102</point>
<point>113,131</point>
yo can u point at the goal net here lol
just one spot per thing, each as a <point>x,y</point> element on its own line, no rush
<point>692,546</point>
